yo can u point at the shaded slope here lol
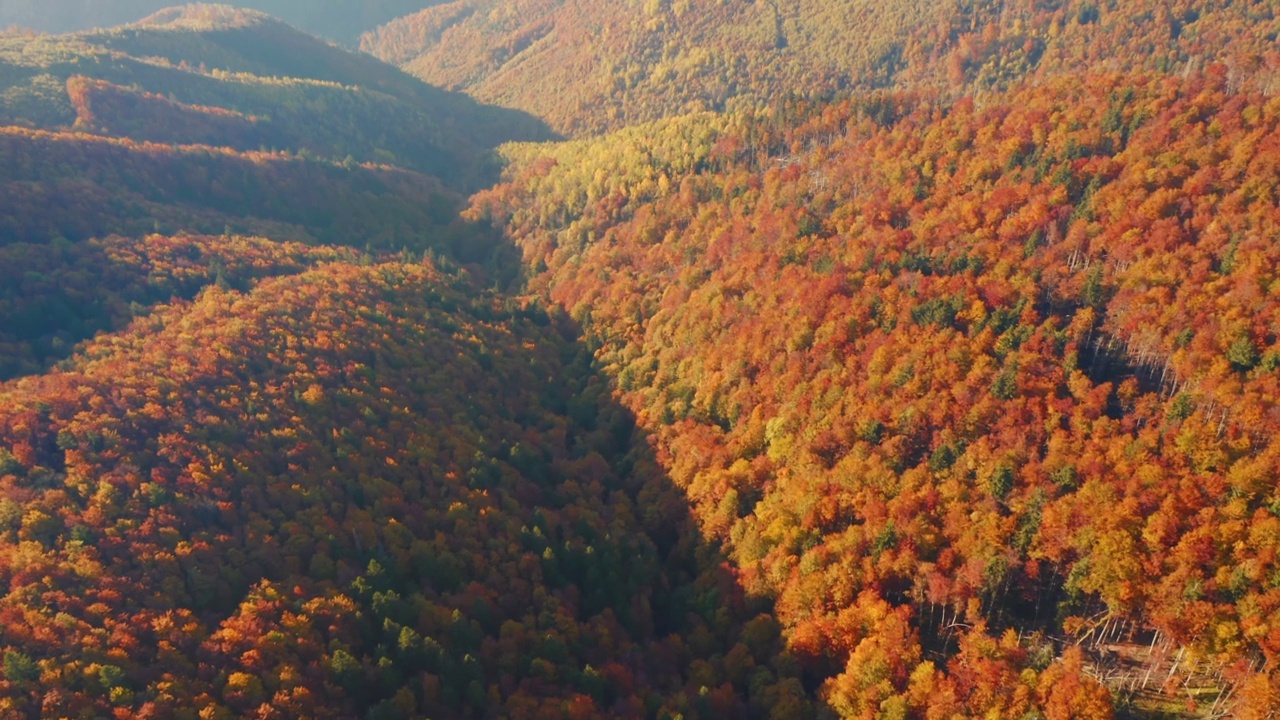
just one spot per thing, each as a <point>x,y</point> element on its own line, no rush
<point>300,94</point>
<point>340,20</point>
<point>357,490</point>
<point>80,186</point>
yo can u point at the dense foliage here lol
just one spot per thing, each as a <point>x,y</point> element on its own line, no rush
<point>630,62</point>
<point>359,487</point>
<point>911,360</point>
<point>1006,374</point>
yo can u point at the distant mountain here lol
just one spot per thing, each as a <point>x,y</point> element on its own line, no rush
<point>587,65</point>
<point>339,20</point>
<point>214,75</point>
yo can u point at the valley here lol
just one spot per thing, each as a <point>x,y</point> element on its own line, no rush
<point>646,360</point>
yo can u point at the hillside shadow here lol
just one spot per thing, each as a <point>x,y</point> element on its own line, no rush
<point>602,527</point>
<point>728,645</point>
<point>497,532</point>
<point>318,98</point>
<point>702,644</point>
<point>620,558</point>
<point>51,298</point>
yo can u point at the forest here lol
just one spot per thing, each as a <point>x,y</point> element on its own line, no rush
<point>1002,369</point>
<point>630,63</point>
<point>213,75</point>
<point>932,375</point>
<point>338,20</point>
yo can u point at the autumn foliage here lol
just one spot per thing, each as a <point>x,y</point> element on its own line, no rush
<point>937,372</point>
<point>358,487</point>
<point>636,62</point>
<point>882,360</point>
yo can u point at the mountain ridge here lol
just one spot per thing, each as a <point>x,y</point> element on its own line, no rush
<point>688,55</point>
<point>339,21</point>
<point>204,17</point>
<point>306,95</point>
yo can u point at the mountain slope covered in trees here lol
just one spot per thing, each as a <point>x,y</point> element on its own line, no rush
<point>359,489</point>
<point>897,359</point>
<point>636,62</point>
<point>1004,374</point>
<point>340,20</point>
<point>218,76</point>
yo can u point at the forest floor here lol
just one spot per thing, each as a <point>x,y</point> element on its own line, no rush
<point>1158,679</point>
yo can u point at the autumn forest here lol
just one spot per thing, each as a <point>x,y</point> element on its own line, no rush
<point>661,359</point>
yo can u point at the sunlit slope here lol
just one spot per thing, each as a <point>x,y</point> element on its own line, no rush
<point>586,66</point>
<point>964,386</point>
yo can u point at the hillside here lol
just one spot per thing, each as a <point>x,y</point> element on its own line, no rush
<point>1002,373</point>
<point>341,531</point>
<point>269,446</point>
<point>339,20</point>
<point>207,120</point>
<point>64,190</point>
<point>629,63</point>
<point>249,82</point>
<point>905,360</point>
<point>78,186</point>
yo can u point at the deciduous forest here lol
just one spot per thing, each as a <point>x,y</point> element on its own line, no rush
<point>337,20</point>
<point>666,360</point>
